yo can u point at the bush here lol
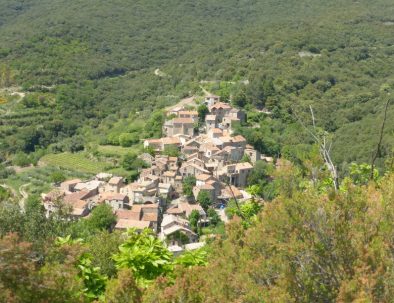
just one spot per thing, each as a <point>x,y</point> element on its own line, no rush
<point>21,159</point>
<point>127,139</point>
<point>57,177</point>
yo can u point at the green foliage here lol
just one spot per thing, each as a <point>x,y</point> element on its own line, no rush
<point>127,139</point>
<point>312,247</point>
<point>78,162</point>
<point>202,112</point>
<point>260,180</point>
<point>154,125</point>
<point>102,246</point>
<point>131,161</point>
<point>246,158</point>
<point>58,177</point>
<point>193,258</point>
<point>78,90</point>
<point>93,281</point>
<point>21,159</point>
<point>187,185</point>
<point>123,289</point>
<point>5,172</point>
<point>204,199</point>
<point>361,173</point>
<point>24,277</point>
<point>67,240</point>
<point>101,218</point>
<point>145,255</point>
<point>171,151</point>
<point>248,211</point>
<point>194,218</point>
<point>4,194</point>
<point>213,216</point>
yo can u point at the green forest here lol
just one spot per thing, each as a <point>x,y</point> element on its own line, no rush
<point>86,66</point>
<point>83,83</point>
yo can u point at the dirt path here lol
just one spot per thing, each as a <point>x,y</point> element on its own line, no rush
<point>24,195</point>
<point>183,102</point>
<point>159,73</point>
<point>189,101</point>
<point>12,91</point>
<point>22,192</point>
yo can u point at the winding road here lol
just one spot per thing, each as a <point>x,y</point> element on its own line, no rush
<point>22,192</point>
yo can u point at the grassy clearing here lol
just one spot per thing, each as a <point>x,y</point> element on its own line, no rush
<point>119,172</point>
<point>76,162</point>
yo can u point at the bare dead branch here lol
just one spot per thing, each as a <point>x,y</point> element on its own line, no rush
<point>324,149</point>
<point>379,145</point>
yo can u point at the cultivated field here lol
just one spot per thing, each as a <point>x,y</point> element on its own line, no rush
<point>77,162</point>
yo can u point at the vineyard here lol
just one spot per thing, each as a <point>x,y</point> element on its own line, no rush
<point>77,161</point>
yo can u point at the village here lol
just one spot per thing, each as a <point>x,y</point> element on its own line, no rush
<point>215,161</point>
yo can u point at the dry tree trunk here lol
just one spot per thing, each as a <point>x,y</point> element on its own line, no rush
<point>378,147</point>
<point>324,148</point>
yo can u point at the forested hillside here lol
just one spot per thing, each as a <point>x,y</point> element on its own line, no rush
<point>84,82</point>
<point>84,63</point>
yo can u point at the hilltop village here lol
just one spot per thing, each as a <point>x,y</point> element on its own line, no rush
<point>213,163</point>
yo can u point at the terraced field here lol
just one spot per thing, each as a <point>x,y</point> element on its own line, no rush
<point>77,162</point>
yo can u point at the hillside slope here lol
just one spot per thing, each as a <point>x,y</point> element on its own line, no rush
<point>98,58</point>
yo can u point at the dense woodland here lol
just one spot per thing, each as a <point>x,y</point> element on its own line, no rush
<point>91,64</point>
<point>79,83</point>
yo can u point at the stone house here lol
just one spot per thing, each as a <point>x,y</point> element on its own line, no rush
<point>192,114</point>
<point>253,154</point>
<point>165,190</point>
<point>115,200</point>
<point>170,142</point>
<point>205,187</point>
<point>147,158</point>
<point>235,153</point>
<point>196,161</point>
<point>169,177</point>
<point>220,109</point>
<point>171,225</point>
<point>236,141</point>
<point>178,185</point>
<point>208,150</point>
<point>115,184</point>
<point>93,187</point>
<point>211,122</point>
<point>236,174</point>
<point>76,202</point>
<point>202,179</point>
<point>189,150</point>
<point>183,126</point>
<point>68,186</point>
<point>190,169</point>
<point>159,145</point>
<point>215,133</point>
<point>184,209</point>
<point>124,224</point>
<point>211,100</point>
<point>147,215</point>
